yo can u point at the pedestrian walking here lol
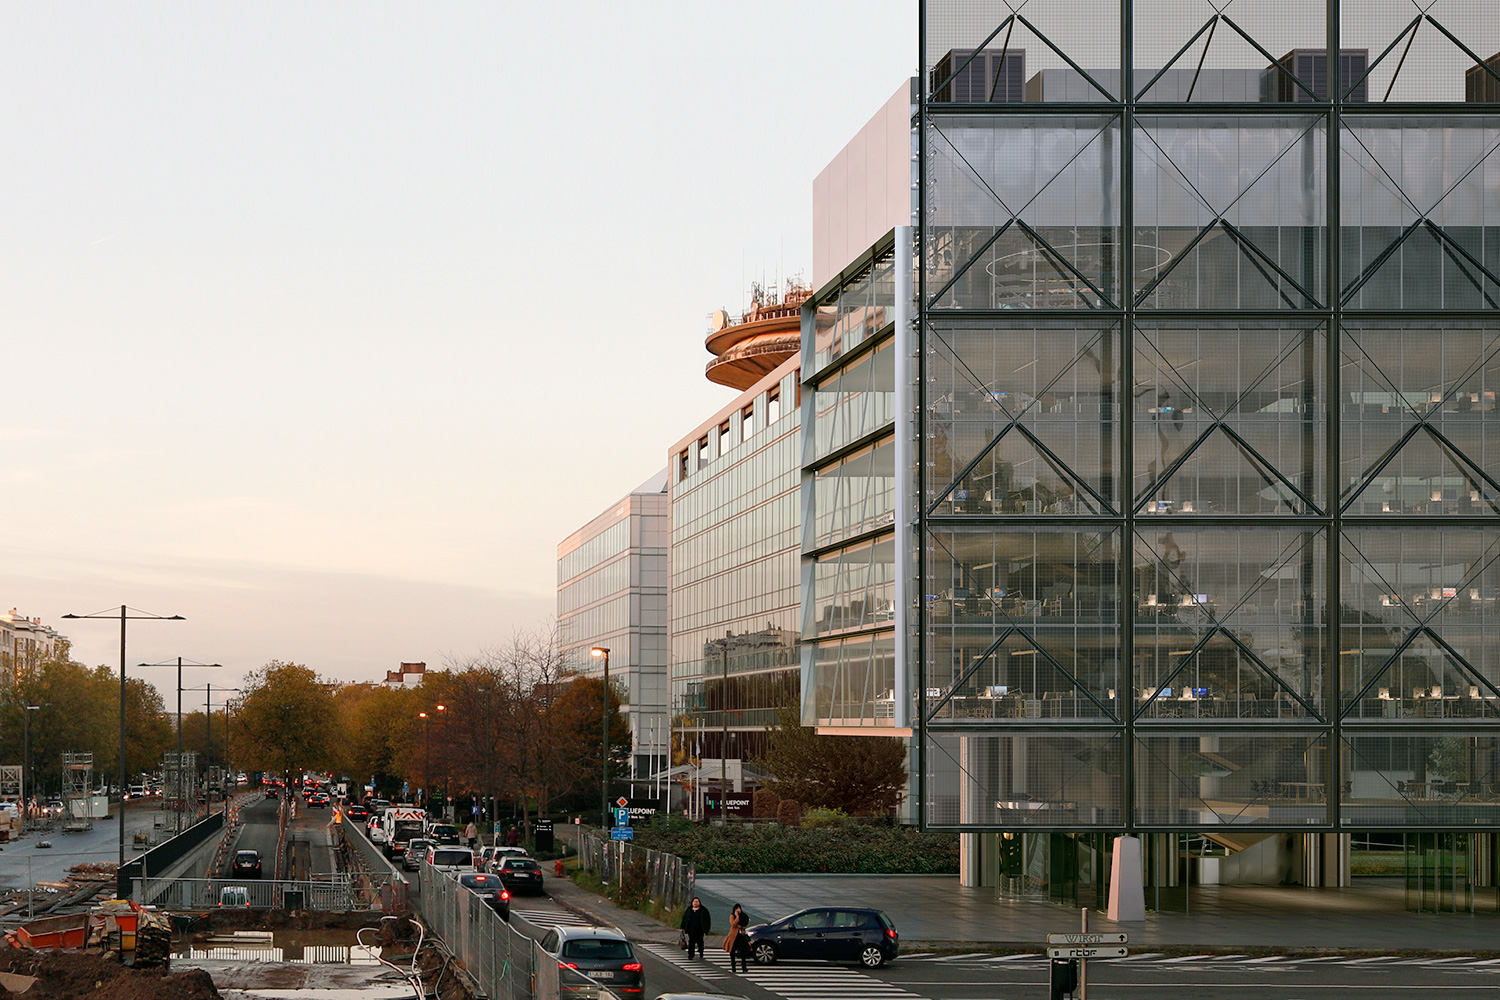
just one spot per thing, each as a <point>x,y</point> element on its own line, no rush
<point>737,942</point>
<point>513,838</point>
<point>696,922</point>
<point>471,835</point>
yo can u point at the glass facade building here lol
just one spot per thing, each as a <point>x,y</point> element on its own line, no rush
<point>854,604</point>
<point>1207,520</point>
<point>612,592</point>
<point>735,530</point>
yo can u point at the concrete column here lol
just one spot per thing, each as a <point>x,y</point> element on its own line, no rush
<point>969,866</point>
<point>1127,900</point>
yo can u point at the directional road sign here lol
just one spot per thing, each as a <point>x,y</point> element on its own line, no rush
<point>1105,951</point>
<point>1087,938</point>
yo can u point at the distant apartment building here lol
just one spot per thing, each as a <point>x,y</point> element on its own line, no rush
<point>25,643</point>
<point>409,675</point>
<point>612,594</point>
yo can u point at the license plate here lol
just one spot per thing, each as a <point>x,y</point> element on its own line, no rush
<point>600,974</point>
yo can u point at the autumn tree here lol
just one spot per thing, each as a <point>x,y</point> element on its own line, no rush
<point>283,716</point>
<point>578,735</point>
<point>862,775</point>
<point>376,726</point>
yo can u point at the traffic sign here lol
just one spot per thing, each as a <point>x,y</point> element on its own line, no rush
<point>1087,938</point>
<point>622,801</point>
<point>1099,952</point>
<point>622,816</point>
<point>626,833</point>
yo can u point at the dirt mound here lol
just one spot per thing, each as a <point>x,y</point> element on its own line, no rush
<point>70,975</point>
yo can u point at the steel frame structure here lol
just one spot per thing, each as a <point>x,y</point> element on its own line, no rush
<point>1114,511</point>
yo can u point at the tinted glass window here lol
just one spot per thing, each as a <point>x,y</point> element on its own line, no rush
<point>810,920</point>
<point>475,880</point>
<point>850,918</point>
<point>598,949</point>
<point>521,865</point>
<point>452,858</point>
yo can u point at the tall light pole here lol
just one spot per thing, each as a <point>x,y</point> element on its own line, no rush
<point>208,730</point>
<point>26,759</point>
<point>167,663</point>
<point>723,645</point>
<point>122,886</point>
<point>426,718</point>
<point>604,784</point>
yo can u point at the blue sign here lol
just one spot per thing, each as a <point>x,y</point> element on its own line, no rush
<point>622,833</point>
<point>622,816</point>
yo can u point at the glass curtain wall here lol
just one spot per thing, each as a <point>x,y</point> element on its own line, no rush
<point>850,565</point>
<point>734,600</point>
<point>1209,345</point>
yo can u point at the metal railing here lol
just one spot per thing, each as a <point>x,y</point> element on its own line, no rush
<point>503,960</point>
<point>338,895</point>
<point>666,878</point>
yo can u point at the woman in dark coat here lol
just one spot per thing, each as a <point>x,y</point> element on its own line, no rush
<point>696,922</point>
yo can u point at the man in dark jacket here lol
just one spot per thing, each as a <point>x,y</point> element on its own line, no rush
<point>695,924</point>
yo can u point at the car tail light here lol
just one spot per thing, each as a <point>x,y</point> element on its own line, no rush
<point>631,966</point>
<point>890,932</point>
<point>566,965</point>
<point>504,894</point>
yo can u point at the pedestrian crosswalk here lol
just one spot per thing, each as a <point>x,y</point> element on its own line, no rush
<point>1156,958</point>
<point>549,918</point>
<point>794,981</point>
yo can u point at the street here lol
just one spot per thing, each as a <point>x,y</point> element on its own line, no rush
<point>100,845</point>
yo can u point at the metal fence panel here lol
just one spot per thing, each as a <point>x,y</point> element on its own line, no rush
<point>669,878</point>
<point>202,893</point>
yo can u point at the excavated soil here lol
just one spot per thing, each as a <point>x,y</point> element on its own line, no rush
<point>71,975</point>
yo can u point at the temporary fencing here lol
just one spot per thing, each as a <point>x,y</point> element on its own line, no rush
<point>505,963</point>
<point>666,878</point>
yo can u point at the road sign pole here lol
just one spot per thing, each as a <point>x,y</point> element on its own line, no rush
<point>1083,966</point>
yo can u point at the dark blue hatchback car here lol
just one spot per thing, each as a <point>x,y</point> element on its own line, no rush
<point>834,933</point>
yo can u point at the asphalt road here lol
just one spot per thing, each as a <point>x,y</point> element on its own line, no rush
<point>260,828</point>
<point>1202,977</point>
<point>1144,976</point>
<point>50,864</point>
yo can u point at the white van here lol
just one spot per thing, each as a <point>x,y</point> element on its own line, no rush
<point>450,859</point>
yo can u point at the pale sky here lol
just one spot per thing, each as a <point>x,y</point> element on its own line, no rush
<point>327,322</point>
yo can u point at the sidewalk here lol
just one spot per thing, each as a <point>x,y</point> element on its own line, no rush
<point>935,912</point>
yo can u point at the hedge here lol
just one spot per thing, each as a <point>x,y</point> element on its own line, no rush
<point>857,849</point>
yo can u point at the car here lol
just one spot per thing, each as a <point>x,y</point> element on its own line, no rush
<point>500,853</point>
<point>518,874</point>
<point>357,814</point>
<point>446,858</point>
<point>272,792</point>
<point>603,954</point>
<point>489,889</point>
<point>444,833</point>
<point>246,863</point>
<point>415,853</point>
<point>317,799</point>
<point>235,896</point>
<point>54,808</point>
<point>832,933</point>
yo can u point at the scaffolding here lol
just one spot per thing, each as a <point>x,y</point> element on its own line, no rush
<point>179,772</point>
<point>78,787</point>
<point>10,782</point>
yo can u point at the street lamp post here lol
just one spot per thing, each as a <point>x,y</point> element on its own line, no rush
<point>724,736</point>
<point>177,823</point>
<point>604,785</point>
<point>122,886</point>
<point>26,759</point>
<point>208,733</point>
